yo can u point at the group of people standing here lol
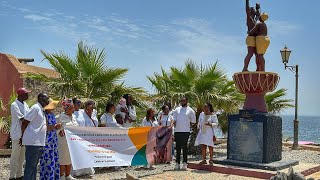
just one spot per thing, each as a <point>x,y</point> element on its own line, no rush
<point>38,134</point>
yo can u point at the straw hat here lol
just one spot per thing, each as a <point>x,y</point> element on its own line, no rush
<point>52,104</point>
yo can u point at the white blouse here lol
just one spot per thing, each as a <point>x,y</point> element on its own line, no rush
<point>66,120</point>
<point>165,120</point>
<point>146,123</point>
<point>90,122</point>
<point>79,117</point>
<point>204,119</point>
<point>109,120</point>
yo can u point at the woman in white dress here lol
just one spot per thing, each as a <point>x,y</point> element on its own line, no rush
<point>168,104</point>
<point>66,119</point>
<point>165,118</point>
<point>78,112</point>
<point>88,118</point>
<point>207,121</point>
<point>150,120</point>
<point>90,114</point>
<point>108,119</point>
<point>130,111</point>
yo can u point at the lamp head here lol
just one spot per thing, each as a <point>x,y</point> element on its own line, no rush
<point>285,54</point>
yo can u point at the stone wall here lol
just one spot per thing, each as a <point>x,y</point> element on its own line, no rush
<point>36,87</point>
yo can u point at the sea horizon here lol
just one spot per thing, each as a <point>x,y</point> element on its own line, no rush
<point>308,127</point>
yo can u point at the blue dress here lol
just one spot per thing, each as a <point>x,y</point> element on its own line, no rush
<point>49,160</point>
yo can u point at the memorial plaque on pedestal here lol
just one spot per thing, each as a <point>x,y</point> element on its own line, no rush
<point>254,137</point>
<point>247,141</point>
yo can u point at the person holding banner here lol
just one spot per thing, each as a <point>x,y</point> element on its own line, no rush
<point>130,111</point>
<point>49,159</point>
<point>66,119</point>
<point>78,112</point>
<point>150,120</point>
<point>207,121</point>
<point>119,119</point>
<point>87,118</point>
<point>107,119</point>
<point>90,115</point>
<point>183,116</point>
<point>166,119</point>
<point>168,104</point>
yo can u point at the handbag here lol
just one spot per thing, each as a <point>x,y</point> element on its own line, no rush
<point>214,139</point>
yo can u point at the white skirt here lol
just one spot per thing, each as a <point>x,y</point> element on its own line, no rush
<point>63,150</point>
<point>205,138</point>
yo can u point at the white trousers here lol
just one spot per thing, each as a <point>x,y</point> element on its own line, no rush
<point>16,159</point>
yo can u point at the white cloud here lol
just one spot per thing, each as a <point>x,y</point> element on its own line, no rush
<point>35,17</point>
<point>70,17</point>
<point>100,28</point>
<point>197,39</point>
<point>278,27</point>
<point>24,10</point>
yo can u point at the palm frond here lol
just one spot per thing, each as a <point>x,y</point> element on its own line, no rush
<point>275,101</point>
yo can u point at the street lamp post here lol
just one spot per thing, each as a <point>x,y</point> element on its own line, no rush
<point>285,54</point>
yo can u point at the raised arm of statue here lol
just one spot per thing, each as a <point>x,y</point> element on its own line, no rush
<point>258,12</point>
<point>247,8</point>
<point>258,6</point>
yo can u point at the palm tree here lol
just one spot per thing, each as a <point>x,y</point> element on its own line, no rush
<point>276,102</point>
<point>201,84</point>
<point>86,76</point>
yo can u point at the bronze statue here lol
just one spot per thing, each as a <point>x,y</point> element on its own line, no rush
<point>253,15</point>
<point>262,40</point>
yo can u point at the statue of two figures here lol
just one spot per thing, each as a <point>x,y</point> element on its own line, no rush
<point>257,40</point>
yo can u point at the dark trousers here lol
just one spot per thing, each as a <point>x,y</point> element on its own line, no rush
<point>181,139</point>
<point>32,159</point>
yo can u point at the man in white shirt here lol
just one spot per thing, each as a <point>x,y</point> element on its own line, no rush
<point>19,109</point>
<point>130,111</point>
<point>183,116</point>
<point>33,136</point>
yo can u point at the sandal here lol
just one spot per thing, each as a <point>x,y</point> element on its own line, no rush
<point>211,162</point>
<point>203,162</point>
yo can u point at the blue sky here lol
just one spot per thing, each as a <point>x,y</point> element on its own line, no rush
<point>145,35</point>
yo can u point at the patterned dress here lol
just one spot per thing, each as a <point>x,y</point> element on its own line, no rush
<point>49,160</point>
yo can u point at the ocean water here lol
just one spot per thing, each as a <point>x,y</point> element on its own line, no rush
<point>309,128</point>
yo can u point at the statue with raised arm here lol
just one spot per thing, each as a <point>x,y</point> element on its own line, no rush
<point>253,15</point>
<point>260,30</point>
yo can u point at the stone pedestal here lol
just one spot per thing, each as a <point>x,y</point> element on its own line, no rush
<point>254,137</point>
